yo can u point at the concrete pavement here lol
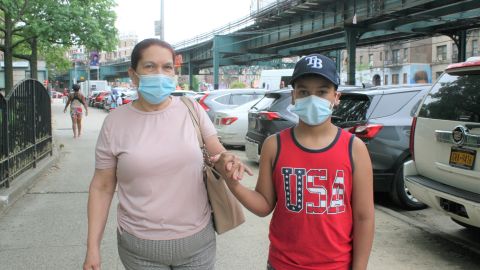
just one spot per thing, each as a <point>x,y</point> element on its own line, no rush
<point>46,227</point>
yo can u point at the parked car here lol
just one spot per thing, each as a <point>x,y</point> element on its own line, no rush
<point>91,98</point>
<point>271,115</point>
<point>232,124</point>
<point>381,117</point>
<point>99,99</point>
<point>212,101</point>
<point>444,171</point>
<point>129,96</point>
<point>183,93</point>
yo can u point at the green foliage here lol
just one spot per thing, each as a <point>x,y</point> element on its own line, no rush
<point>33,29</point>
<point>195,83</point>
<point>238,85</point>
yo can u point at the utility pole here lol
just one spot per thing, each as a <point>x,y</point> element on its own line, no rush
<point>162,20</point>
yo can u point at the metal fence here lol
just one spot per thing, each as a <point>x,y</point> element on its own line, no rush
<point>26,129</point>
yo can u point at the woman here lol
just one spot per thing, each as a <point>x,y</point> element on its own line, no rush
<point>164,218</point>
<point>76,100</point>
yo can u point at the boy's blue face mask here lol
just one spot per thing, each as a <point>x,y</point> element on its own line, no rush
<point>312,110</point>
<point>155,88</point>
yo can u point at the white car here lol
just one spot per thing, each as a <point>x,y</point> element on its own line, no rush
<point>232,124</point>
<point>444,172</point>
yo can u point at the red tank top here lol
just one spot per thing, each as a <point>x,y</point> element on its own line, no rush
<point>312,225</point>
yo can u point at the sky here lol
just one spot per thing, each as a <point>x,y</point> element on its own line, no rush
<point>184,19</point>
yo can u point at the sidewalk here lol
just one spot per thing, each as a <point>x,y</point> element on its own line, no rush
<point>47,227</point>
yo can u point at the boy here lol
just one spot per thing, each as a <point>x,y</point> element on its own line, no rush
<point>317,178</point>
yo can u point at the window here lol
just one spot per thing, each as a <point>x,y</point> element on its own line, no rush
<point>394,78</point>
<point>385,82</point>
<point>405,54</point>
<point>404,78</point>
<point>225,99</point>
<point>442,52</point>
<point>361,59</point>
<point>454,98</point>
<point>454,53</point>
<point>241,99</point>
<point>352,108</point>
<point>474,47</point>
<point>381,56</point>
<point>370,60</point>
<point>392,103</point>
<point>396,56</point>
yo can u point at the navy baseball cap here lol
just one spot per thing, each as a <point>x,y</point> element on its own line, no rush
<point>316,64</point>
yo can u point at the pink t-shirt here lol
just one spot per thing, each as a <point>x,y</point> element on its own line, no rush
<point>158,163</point>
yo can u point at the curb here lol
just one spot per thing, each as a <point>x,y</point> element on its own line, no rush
<point>22,184</point>
<point>424,227</point>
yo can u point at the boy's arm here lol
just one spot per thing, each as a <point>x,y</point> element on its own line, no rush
<point>260,201</point>
<point>362,206</point>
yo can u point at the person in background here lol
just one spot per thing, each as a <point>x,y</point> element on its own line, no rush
<point>65,95</point>
<point>318,181</point>
<point>76,100</point>
<point>163,215</point>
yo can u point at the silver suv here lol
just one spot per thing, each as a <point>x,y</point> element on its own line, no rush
<point>445,142</point>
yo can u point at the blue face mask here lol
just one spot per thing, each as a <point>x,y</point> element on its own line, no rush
<point>312,110</point>
<point>155,88</point>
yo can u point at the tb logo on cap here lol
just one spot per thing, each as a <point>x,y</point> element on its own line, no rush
<point>314,62</point>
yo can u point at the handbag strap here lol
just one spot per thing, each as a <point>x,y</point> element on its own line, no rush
<point>193,115</point>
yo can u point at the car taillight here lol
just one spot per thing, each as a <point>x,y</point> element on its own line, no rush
<point>227,120</point>
<point>412,136</point>
<point>368,131</point>
<point>202,103</point>
<point>269,115</point>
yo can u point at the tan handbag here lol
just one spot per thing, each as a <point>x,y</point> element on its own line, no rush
<point>227,211</point>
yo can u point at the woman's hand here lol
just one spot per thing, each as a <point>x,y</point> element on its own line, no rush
<point>230,166</point>
<point>92,260</point>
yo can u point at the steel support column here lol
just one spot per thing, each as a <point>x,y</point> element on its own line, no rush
<point>190,73</point>
<point>462,45</point>
<point>351,36</point>
<point>216,61</point>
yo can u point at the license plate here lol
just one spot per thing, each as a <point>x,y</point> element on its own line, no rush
<point>462,158</point>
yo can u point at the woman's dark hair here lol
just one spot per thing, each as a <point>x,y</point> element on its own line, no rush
<point>76,87</point>
<point>143,45</point>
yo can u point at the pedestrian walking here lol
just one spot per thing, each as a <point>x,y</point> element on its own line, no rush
<point>149,149</point>
<point>76,100</point>
<point>317,180</point>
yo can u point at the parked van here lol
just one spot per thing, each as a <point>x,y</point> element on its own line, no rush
<point>273,79</point>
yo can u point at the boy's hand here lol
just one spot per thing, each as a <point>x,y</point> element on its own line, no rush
<point>230,166</point>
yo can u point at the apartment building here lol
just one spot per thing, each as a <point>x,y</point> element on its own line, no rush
<point>123,51</point>
<point>400,62</point>
<point>409,61</point>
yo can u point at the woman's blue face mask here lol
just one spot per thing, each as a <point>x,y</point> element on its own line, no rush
<point>155,88</point>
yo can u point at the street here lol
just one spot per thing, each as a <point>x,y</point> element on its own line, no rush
<point>46,228</point>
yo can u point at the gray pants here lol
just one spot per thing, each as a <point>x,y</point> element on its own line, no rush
<point>195,252</point>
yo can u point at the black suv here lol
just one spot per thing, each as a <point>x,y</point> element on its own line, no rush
<point>270,115</point>
<point>380,116</point>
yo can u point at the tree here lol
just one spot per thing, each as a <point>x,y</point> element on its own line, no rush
<point>44,23</point>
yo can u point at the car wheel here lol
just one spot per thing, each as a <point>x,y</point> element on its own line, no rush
<point>401,195</point>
